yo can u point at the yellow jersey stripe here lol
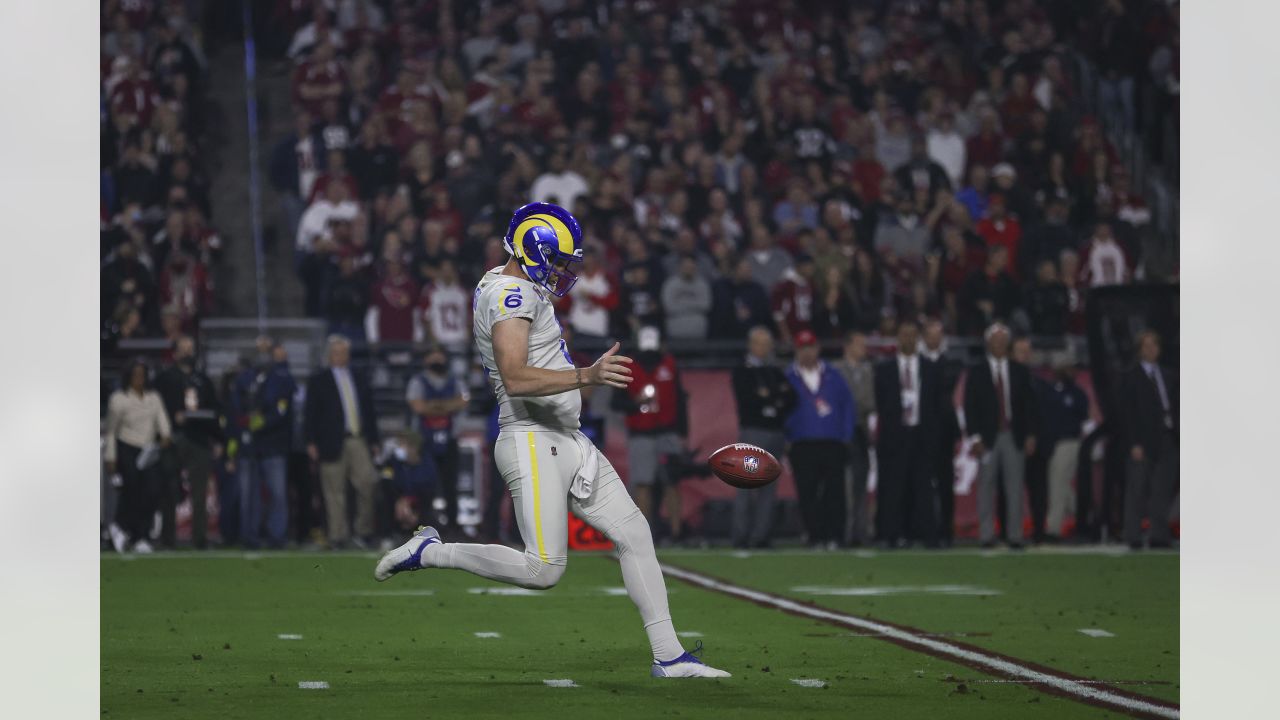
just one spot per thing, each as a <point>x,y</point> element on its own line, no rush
<point>537,500</point>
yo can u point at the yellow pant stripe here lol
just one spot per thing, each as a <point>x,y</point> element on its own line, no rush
<point>537,499</point>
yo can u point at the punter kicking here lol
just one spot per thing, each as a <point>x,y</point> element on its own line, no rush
<point>549,466</point>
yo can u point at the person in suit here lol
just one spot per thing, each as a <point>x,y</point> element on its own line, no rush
<point>1150,424</point>
<point>1037,474</point>
<point>933,347</point>
<point>342,431</point>
<point>1000,412</point>
<point>818,430</point>
<point>910,404</point>
<point>859,375</point>
<point>764,399</point>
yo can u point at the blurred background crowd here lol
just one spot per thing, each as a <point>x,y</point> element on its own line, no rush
<point>810,174</point>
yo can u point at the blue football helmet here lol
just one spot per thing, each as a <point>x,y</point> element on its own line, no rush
<point>546,240</point>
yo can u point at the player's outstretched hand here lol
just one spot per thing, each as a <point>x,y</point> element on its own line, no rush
<point>610,369</point>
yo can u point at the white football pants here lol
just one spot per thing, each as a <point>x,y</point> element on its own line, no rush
<point>538,467</point>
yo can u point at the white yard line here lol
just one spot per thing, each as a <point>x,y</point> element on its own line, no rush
<point>387,593</point>
<point>563,683</point>
<point>930,645</point>
<point>869,591</point>
<point>690,634</point>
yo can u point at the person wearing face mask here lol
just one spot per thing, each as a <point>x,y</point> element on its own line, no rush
<point>434,396</point>
<point>192,403</point>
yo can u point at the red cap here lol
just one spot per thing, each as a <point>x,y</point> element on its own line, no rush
<point>805,337</point>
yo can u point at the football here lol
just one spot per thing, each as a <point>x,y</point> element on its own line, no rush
<point>744,466</point>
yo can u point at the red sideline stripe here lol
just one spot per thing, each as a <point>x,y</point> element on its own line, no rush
<point>1044,679</point>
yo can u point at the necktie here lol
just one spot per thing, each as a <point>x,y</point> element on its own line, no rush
<point>1000,406</point>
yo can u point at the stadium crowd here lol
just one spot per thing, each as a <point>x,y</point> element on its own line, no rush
<point>805,173</point>
<point>814,166</point>
<point>157,244</point>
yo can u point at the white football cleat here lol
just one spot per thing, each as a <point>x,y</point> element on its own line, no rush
<point>407,557</point>
<point>685,666</point>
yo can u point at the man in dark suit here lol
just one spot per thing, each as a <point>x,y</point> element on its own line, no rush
<point>933,346</point>
<point>1000,413</point>
<point>909,400</point>
<point>1150,423</point>
<point>341,432</point>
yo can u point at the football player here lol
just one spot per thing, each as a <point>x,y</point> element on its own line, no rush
<point>548,464</point>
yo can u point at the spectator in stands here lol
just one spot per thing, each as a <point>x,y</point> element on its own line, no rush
<point>640,302</point>
<point>444,311</point>
<point>592,298</point>
<point>1047,239</point>
<point>793,299</point>
<point>342,434</point>
<point>764,400</point>
<point>921,172</point>
<point>910,404</point>
<point>316,242</point>
<point>348,301</point>
<point>434,396</point>
<point>1064,412</point>
<point>657,423</point>
<point>260,413</point>
<point>901,235</point>
<point>1000,415</point>
<point>295,163</point>
<point>819,430</point>
<point>394,298</point>
<point>186,288</point>
<point>974,196</point>
<point>127,284</point>
<point>1151,422</point>
<point>136,428</point>
<point>946,147</point>
<point>687,299</point>
<point>1047,302</point>
<point>1105,260</point>
<point>191,400</point>
<point>999,228</point>
<point>858,374</point>
<point>988,295</point>
<point>559,184</point>
<point>739,303</point>
<point>768,262</point>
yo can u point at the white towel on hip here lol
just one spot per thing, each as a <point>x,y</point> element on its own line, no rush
<point>584,478</point>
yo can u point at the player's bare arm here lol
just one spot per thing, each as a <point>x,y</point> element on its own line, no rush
<point>511,352</point>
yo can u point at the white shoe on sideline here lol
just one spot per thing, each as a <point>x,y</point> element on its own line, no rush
<point>142,547</point>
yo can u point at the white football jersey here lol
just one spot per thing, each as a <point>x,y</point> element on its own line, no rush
<point>501,297</point>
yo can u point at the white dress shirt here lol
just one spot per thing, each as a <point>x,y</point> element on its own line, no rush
<point>909,378</point>
<point>350,403</point>
<point>1000,369</point>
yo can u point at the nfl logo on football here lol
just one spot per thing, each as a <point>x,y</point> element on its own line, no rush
<point>750,464</point>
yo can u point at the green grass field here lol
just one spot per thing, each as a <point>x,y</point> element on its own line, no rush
<point>197,636</point>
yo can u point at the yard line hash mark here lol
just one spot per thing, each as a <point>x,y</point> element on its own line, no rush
<point>313,685</point>
<point>1040,677</point>
<point>1096,632</point>
<point>562,683</point>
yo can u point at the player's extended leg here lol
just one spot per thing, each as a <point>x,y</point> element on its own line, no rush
<point>611,510</point>
<point>539,491</point>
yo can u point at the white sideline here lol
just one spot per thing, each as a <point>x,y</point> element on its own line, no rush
<point>1000,665</point>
